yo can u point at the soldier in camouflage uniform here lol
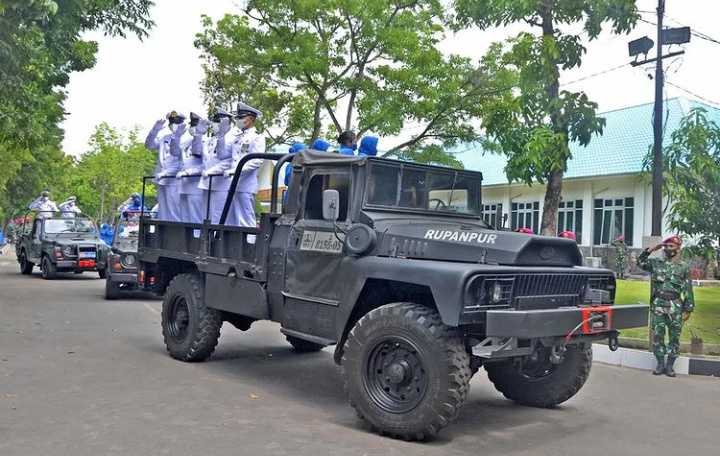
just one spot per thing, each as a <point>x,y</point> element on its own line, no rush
<point>671,303</point>
<point>621,251</point>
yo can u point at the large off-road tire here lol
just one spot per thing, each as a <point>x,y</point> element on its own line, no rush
<point>112,290</point>
<point>102,273</point>
<point>48,269</point>
<point>190,330</point>
<point>541,383</point>
<point>304,346</point>
<point>26,266</point>
<point>406,373</point>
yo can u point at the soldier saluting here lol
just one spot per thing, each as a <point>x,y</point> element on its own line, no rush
<point>671,303</point>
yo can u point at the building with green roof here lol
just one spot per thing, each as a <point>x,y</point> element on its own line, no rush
<point>604,192</point>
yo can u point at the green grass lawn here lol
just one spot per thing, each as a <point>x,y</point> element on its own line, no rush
<point>705,320</point>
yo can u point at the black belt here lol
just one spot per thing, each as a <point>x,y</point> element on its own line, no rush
<point>668,295</point>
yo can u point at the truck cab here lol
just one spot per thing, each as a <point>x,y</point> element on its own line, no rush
<point>392,263</point>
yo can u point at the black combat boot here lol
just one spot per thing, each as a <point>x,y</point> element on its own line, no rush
<point>669,371</point>
<point>660,368</point>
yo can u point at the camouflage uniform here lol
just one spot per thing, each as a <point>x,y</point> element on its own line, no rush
<point>620,258</point>
<point>672,294</point>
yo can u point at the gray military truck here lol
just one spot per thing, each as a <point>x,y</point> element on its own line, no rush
<point>392,263</point>
<point>122,260</point>
<point>60,242</point>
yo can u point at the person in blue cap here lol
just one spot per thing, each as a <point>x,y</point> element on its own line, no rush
<point>321,145</point>
<point>216,158</point>
<point>191,196</point>
<point>368,146</point>
<point>294,149</point>
<point>248,141</point>
<point>348,143</point>
<point>106,233</point>
<point>168,164</point>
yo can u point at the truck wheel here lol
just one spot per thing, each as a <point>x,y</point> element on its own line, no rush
<point>406,373</point>
<point>102,273</point>
<point>48,269</point>
<point>541,383</point>
<point>26,267</point>
<point>112,291</point>
<point>190,330</point>
<point>303,346</point>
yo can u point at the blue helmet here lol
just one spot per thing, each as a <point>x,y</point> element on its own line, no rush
<point>321,145</point>
<point>368,146</point>
<point>297,147</point>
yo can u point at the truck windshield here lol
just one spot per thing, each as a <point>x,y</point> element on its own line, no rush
<point>58,226</point>
<point>416,188</point>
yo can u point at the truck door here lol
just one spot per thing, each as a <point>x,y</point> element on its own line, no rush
<point>314,258</point>
<point>35,243</point>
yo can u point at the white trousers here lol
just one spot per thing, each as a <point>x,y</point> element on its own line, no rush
<point>217,202</point>
<point>169,203</point>
<point>242,211</point>
<point>192,208</point>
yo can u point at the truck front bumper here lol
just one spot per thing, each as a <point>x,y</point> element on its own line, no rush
<point>531,324</point>
<point>123,277</point>
<point>77,265</point>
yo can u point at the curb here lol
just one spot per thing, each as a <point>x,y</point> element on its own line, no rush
<point>641,359</point>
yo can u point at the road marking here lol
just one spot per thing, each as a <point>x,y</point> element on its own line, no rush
<point>151,309</point>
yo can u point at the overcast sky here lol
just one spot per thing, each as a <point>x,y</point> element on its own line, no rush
<point>136,82</point>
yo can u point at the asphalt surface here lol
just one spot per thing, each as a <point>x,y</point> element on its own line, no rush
<point>83,376</point>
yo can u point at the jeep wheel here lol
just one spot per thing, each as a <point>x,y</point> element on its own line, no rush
<point>102,273</point>
<point>406,373</point>
<point>112,290</point>
<point>190,330</point>
<point>540,383</point>
<point>49,272</point>
<point>26,267</point>
<point>303,346</point>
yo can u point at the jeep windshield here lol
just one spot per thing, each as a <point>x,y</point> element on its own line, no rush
<point>60,226</point>
<point>408,187</point>
<point>126,237</point>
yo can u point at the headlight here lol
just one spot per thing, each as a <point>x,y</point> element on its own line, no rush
<point>129,260</point>
<point>496,293</point>
<point>68,250</point>
<point>488,291</point>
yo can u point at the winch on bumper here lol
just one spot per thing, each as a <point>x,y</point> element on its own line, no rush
<point>516,332</point>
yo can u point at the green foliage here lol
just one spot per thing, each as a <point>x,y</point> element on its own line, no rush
<point>317,66</point>
<point>113,168</point>
<point>529,118</point>
<point>692,171</point>
<point>40,45</point>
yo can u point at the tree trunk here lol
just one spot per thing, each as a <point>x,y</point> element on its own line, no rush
<point>317,124</point>
<point>553,191</point>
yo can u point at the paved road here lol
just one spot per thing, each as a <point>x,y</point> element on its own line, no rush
<point>83,376</point>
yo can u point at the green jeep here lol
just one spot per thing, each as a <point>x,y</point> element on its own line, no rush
<point>60,244</point>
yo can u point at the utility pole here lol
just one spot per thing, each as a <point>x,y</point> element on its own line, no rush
<point>657,175</point>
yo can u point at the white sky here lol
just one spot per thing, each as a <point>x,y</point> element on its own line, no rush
<point>136,82</point>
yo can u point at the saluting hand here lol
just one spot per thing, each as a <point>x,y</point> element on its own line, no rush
<point>224,126</point>
<point>159,124</point>
<point>202,127</point>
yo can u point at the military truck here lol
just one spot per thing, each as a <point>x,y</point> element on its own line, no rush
<point>122,260</point>
<point>60,242</point>
<point>392,263</point>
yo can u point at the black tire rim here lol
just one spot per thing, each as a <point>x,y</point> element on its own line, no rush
<point>538,368</point>
<point>178,318</point>
<point>44,268</point>
<point>394,376</point>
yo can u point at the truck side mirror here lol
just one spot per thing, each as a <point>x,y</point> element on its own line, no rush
<point>331,205</point>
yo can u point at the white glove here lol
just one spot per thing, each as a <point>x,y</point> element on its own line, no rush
<point>163,174</point>
<point>159,124</point>
<point>205,173</point>
<point>202,127</point>
<point>181,174</point>
<point>229,173</point>
<point>180,130</point>
<point>224,126</point>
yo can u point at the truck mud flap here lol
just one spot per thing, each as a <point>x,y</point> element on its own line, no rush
<point>529,324</point>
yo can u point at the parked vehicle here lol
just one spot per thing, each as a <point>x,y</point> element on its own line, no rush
<point>392,263</point>
<point>60,244</point>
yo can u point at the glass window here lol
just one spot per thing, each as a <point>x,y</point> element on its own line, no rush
<point>570,218</point>
<point>57,226</point>
<point>525,215</point>
<point>422,189</point>
<point>613,218</point>
<point>318,184</point>
<point>490,212</point>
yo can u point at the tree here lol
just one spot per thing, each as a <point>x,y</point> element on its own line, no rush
<point>692,170</point>
<point>532,120</point>
<point>40,45</point>
<point>110,171</point>
<point>319,67</point>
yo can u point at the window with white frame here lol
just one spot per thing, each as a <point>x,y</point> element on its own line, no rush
<point>613,218</point>
<point>570,214</point>
<point>490,212</point>
<point>525,215</point>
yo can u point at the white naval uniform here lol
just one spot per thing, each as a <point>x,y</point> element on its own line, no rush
<point>192,205</point>
<point>242,209</point>
<point>169,164</point>
<point>214,162</point>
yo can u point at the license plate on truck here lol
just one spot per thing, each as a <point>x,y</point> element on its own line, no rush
<point>87,254</point>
